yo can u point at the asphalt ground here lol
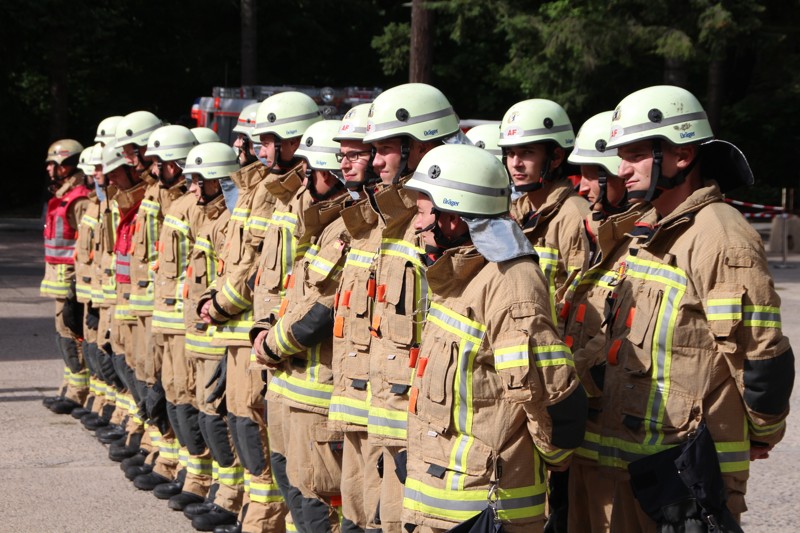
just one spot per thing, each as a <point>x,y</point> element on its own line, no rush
<point>56,477</point>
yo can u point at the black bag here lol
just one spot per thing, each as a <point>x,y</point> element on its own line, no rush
<point>73,312</point>
<point>483,522</point>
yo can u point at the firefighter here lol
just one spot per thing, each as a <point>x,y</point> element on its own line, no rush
<point>697,361</point>
<point>349,406</point>
<point>230,303</point>
<point>205,135</point>
<point>495,395</point>
<point>169,146</point>
<point>404,123</point>
<point>535,136</point>
<point>590,490</point>
<point>64,212</point>
<point>133,313</point>
<point>301,332</point>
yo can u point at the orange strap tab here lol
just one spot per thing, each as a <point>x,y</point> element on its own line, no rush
<point>258,275</point>
<point>154,266</point>
<point>220,267</point>
<point>346,299</point>
<point>568,340</point>
<point>613,352</point>
<point>284,305</point>
<point>375,329</point>
<point>412,400</point>
<point>565,310</point>
<point>336,301</point>
<point>338,327</point>
<point>423,362</point>
<point>371,288</point>
<point>381,293</point>
<point>336,501</point>
<point>287,281</point>
<point>629,320</point>
<point>413,354</point>
<point>579,316</point>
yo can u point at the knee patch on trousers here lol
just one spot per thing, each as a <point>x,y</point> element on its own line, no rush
<point>249,443</point>
<point>215,434</point>
<point>69,351</point>
<point>187,427</point>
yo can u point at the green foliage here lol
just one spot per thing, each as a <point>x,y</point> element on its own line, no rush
<point>393,47</point>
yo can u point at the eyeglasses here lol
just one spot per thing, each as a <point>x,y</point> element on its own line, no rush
<point>351,156</point>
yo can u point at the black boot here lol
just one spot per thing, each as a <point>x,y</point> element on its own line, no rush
<point>132,472</point>
<point>64,406</point>
<point>214,518</point>
<point>179,502</point>
<point>110,434</point>
<point>134,460</point>
<point>149,481</point>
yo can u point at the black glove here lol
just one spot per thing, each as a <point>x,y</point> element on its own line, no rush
<point>220,376</point>
<point>92,317</point>
<point>156,403</point>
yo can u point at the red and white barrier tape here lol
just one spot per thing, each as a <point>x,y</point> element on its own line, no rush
<point>754,206</point>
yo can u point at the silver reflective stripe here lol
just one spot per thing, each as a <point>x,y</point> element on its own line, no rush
<point>348,410</point>
<point>375,420</point>
<point>316,148</point>
<point>322,395</point>
<point>414,120</point>
<point>611,152</point>
<point>636,128</point>
<point>286,120</point>
<point>540,131</point>
<point>468,187</point>
<point>137,133</point>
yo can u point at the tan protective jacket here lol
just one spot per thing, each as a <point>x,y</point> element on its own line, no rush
<point>202,271</point>
<point>175,243</point>
<point>84,248</point>
<point>349,409</point>
<point>303,332</point>
<point>144,255</point>
<point>557,233</point>
<point>586,305</point>
<point>400,294</point>
<point>231,297</point>
<point>105,234</point>
<point>696,334</point>
<point>495,394</point>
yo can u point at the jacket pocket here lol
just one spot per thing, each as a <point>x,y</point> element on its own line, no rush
<point>400,304</point>
<point>680,414</point>
<point>354,308</point>
<point>167,261</point>
<point>435,372</point>
<point>636,353</point>
<point>472,458</point>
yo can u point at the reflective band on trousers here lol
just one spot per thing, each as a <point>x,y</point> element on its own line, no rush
<point>198,467</point>
<point>231,475</point>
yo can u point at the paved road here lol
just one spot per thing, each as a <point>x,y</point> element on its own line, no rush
<point>56,477</point>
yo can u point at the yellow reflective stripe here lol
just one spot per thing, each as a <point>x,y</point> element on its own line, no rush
<point>552,355</point>
<point>171,221</point>
<point>310,393</point>
<point>650,270</point>
<point>761,431</point>
<point>733,456</point>
<point>321,266</point>
<point>240,214</point>
<point>123,312</point>
<point>265,492</point>
<point>257,222</point>
<point>168,319</point>
<point>359,258</point>
<point>548,262</point>
<point>454,323</point>
<point>232,475</point>
<point>350,410</point>
<point>146,301</point>
<point>724,309</point>
<point>90,221</point>
<point>290,527</point>
<point>201,343</point>
<point>387,422</point>
<point>451,505</point>
<point>235,329</point>
<point>183,456</point>
<point>556,456</point>
<point>198,467</point>
<point>590,449</point>
<point>284,219</point>
<point>511,357</point>
<point>762,315</point>
<point>235,297</point>
<point>400,248</point>
<point>83,290</point>
<point>285,345</point>
<point>79,379</point>
<point>53,288</point>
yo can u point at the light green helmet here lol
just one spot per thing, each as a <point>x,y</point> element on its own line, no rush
<point>486,136</point>
<point>212,161</point>
<point>96,157</point>
<point>135,128</point>
<point>62,150</point>
<point>318,147</point>
<point>84,160</point>
<point>662,112</point>
<point>591,144</point>
<point>416,110</point>
<point>536,121</point>
<point>205,135</point>
<point>171,143</point>
<point>247,119</point>
<point>112,158</point>
<point>286,115</point>
<point>354,124</point>
<point>463,179</point>
<point>107,130</point>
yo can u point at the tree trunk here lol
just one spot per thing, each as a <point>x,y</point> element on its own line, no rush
<point>421,60</point>
<point>249,42</point>
<point>59,97</point>
<point>675,72</point>
<point>713,105</point>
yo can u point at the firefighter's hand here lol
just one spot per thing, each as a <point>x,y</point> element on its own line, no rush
<point>563,466</point>
<point>759,452</point>
<point>258,346</point>
<point>204,315</point>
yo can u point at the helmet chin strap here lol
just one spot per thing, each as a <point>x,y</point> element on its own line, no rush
<point>312,187</point>
<point>245,149</point>
<point>405,150</point>
<point>607,208</point>
<point>546,174</point>
<point>443,242</point>
<point>658,182</point>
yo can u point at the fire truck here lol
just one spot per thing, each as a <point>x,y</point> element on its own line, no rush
<point>221,110</point>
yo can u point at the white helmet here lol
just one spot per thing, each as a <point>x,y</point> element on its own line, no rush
<point>354,124</point>
<point>112,158</point>
<point>171,143</point>
<point>535,121</point>
<point>318,147</point>
<point>212,161</point>
<point>247,119</point>
<point>107,129</point>
<point>84,160</point>
<point>415,110</point>
<point>205,135</point>
<point>591,144</point>
<point>486,136</point>
<point>286,115</point>
<point>135,128</point>
<point>61,150</point>
<point>661,112</point>
<point>96,157</point>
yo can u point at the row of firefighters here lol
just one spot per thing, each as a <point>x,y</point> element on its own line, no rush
<point>381,323</point>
